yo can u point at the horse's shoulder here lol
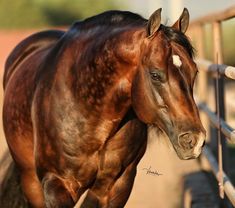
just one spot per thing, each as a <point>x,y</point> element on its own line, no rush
<point>29,46</point>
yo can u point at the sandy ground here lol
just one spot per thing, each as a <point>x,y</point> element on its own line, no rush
<point>150,191</point>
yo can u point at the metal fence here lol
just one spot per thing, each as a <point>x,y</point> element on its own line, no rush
<point>217,71</point>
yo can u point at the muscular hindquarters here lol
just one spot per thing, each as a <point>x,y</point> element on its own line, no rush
<point>18,125</point>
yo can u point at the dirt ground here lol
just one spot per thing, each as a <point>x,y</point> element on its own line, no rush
<point>149,191</point>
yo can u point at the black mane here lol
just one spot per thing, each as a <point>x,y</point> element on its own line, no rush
<point>116,18</point>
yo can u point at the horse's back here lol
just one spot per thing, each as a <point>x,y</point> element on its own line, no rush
<point>28,47</point>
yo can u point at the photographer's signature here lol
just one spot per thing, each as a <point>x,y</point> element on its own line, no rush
<point>149,171</point>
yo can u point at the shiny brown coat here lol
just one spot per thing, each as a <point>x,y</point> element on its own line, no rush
<point>77,105</point>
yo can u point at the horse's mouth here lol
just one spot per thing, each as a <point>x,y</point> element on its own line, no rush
<point>188,157</point>
<point>188,154</point>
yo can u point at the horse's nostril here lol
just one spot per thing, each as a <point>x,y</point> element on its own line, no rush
<point>192,143</point>
<point>203,143</point>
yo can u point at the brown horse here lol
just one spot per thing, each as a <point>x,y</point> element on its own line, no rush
<point>78,103</point>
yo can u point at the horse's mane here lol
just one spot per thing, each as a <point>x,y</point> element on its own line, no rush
<point>113,18</point>
<point>178,37</point>
<point>119,19</point>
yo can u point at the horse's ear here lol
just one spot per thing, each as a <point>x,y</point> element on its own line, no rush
<point>154,22</point>
<point>183,22</point>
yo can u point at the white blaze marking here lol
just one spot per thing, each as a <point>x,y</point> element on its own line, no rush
<point>176,60</point>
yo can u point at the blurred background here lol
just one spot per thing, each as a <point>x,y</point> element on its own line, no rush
<point>43,13</point>
<point>20,18</point>
<point>27,16</point>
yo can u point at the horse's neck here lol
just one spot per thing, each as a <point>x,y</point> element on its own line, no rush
<point>101,115</point>
<point>101,82</point>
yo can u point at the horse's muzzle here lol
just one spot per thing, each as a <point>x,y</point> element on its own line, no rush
<point>191,144</point>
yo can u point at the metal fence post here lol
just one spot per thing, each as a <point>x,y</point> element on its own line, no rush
<point>218,59</point>
<point>203,76</point>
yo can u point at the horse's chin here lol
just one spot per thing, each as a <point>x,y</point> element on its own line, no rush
<point>186,155</point>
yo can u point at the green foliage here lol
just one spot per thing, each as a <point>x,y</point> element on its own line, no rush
<point>228,45</point>
<point>228,34</point>
<point>20,13</point>
<point>38,13</point>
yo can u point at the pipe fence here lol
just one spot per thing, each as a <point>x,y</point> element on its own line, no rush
<point>214,120</point>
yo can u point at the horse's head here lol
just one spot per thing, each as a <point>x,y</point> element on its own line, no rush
<point>162,90</point>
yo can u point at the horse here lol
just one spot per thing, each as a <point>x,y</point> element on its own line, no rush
<point>78,104</point>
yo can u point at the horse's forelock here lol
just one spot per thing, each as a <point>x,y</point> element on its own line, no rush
<point>178,37</point>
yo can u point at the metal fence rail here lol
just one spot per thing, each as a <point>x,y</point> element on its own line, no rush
<point>216,16</point>
<point>227,130</point>
<point>224,70</point>
<point>216,70</point>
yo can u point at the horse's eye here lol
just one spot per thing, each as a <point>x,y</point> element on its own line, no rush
<point>157,75</point>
